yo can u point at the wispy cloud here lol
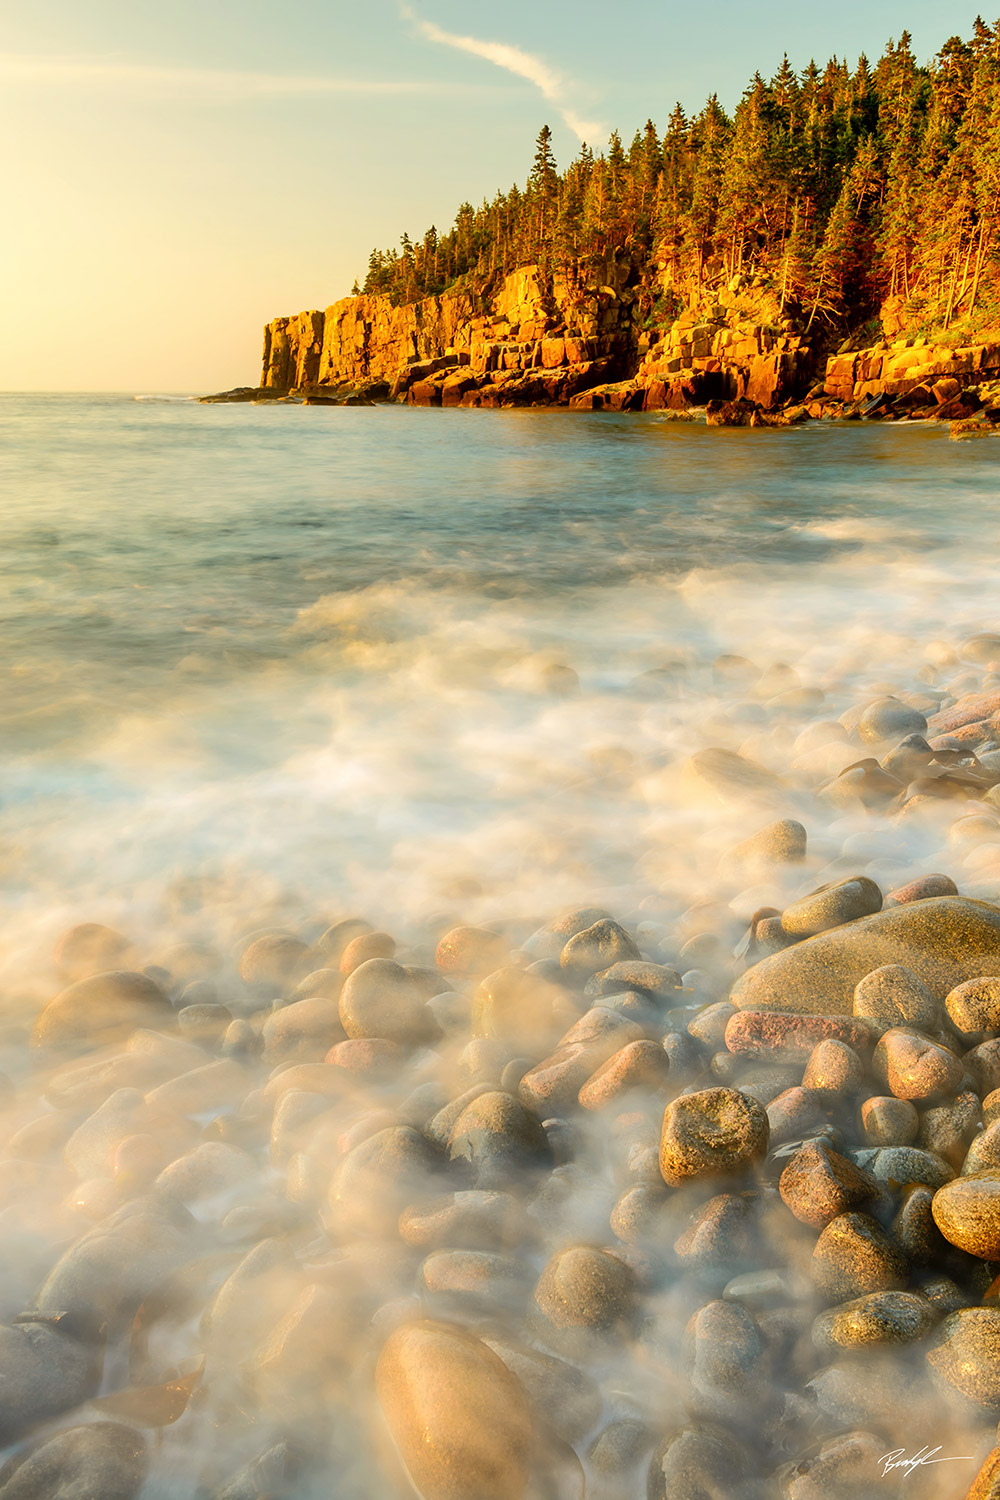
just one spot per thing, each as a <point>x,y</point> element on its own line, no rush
<point>204,83</point>
<point>514,60</point>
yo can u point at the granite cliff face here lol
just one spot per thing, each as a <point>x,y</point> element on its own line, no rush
<point>550,339</point>
<point>541,338</point>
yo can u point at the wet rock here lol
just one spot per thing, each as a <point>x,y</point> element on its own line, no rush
<point>843,1467</point>
<point>553,1086</point>
<point>597,948</point>
<point>983,1062</point>
<point>895,1166</point>
<point>440,1126</point>
<point>101,1009</point>
<point>639,1065</point>
<point>723,776</point>
<point>381,1176</point>
<point>335,939</point>
<point>831,906</point>
<point>983,1154</point>
<point>501,1140</point>
<point>965,1355</point>
<point>550,940</point>
<point>833,1068</point>
<point>878,1318</point>
<point>887,1121</point>
<point>887,719</point>
<point>794,1114</point>
<point>723,1235</point>
<point>473,1220</point>
<point>583,1292</point>
<point>914,1067</point>
<point>818,1184</point>
<point>381,999</point>
<point>657,981</point>
<point>205,1024</point>
<point>894,996</point>
<point>614,1456</point>
<point>471,951</point>
<point>974,1008</point>
<point>89,948</point>
<point>273,962</point>
<point>854,1255</point>
<point>271,1473</point>
<point>699,1462</point>
<point>98,1461</point>
<point>218,1084</point>
<point>365,946</point>
<point>320,984</point>
<point>947,940</point>
<point>780,843</point>
<point>778,1035</point>
<point>967,1212</point>
<point>948,1129</point>
<point>725,1365</point>
<point>371,1058</point>
<point>252,1300</point>
<point>472,1283</point>
<point>211,1168</point>
<point>913,1226</point>
<point>301,1032</point>
<point>459,1418</point>
<point>921,890</point>
<point>518,1006</point>
<point>103,1277</point>
<point>708,1025</point>
<point>566,1397</point>
<point>50,1366</point>
<point>295,1371</point>
<point>638,1213</point>
<point>711,1133</point>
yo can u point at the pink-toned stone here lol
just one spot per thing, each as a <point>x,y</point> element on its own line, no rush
<point>638,1065</point>
<point>771,1034</point>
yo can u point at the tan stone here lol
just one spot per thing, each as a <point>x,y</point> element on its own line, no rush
<point>459,1418</point>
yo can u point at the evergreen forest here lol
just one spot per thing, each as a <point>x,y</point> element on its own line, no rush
<point>840,187</point>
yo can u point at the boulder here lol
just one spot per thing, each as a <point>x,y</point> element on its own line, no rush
<point>945,940</point>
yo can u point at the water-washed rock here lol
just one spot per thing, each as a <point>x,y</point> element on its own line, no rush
<point>502,1141</point>
<point>888,1121</point>
<point>853,1256</point>
<point>381,999</point>
<point>717,1132</point>
<point>878,1318</point>
<point>914,1067</point>
<point>459,1418</point>
<point>832,906</point>
<point>97,1461</point>
<point>965,1355</point>
<point>637,1066</point>
<point>894,996</point>
<point>102,1008</point>
<point>967,1212</point>
<point>597,948</point>
<point>779,1035</point>
<point>974,1008</point>
<point>584,1293</point>
<point>818,1184</point>
<point>947,939</point>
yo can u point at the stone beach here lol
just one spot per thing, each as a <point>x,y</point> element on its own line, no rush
<point>694,1204</point>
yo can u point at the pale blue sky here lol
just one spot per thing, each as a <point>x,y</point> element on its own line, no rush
<point>181,172</point>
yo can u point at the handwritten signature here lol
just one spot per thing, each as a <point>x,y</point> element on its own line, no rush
<point>897,1459</point>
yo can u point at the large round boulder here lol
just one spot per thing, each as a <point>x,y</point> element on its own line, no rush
<point>945,940</point>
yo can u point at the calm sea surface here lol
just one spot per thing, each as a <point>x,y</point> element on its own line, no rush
<point>263,659</point>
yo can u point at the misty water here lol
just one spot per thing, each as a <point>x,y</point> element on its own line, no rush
<point>270,667</point>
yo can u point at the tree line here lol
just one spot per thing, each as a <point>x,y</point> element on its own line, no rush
<point>839,186</point>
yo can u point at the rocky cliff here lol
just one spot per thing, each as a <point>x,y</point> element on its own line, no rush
<point>539,339</point>
<point>550,339</point>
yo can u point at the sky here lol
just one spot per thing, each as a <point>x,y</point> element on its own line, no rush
<point>176,175</point>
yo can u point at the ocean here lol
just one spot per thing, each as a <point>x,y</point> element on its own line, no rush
<point>267,668</point>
